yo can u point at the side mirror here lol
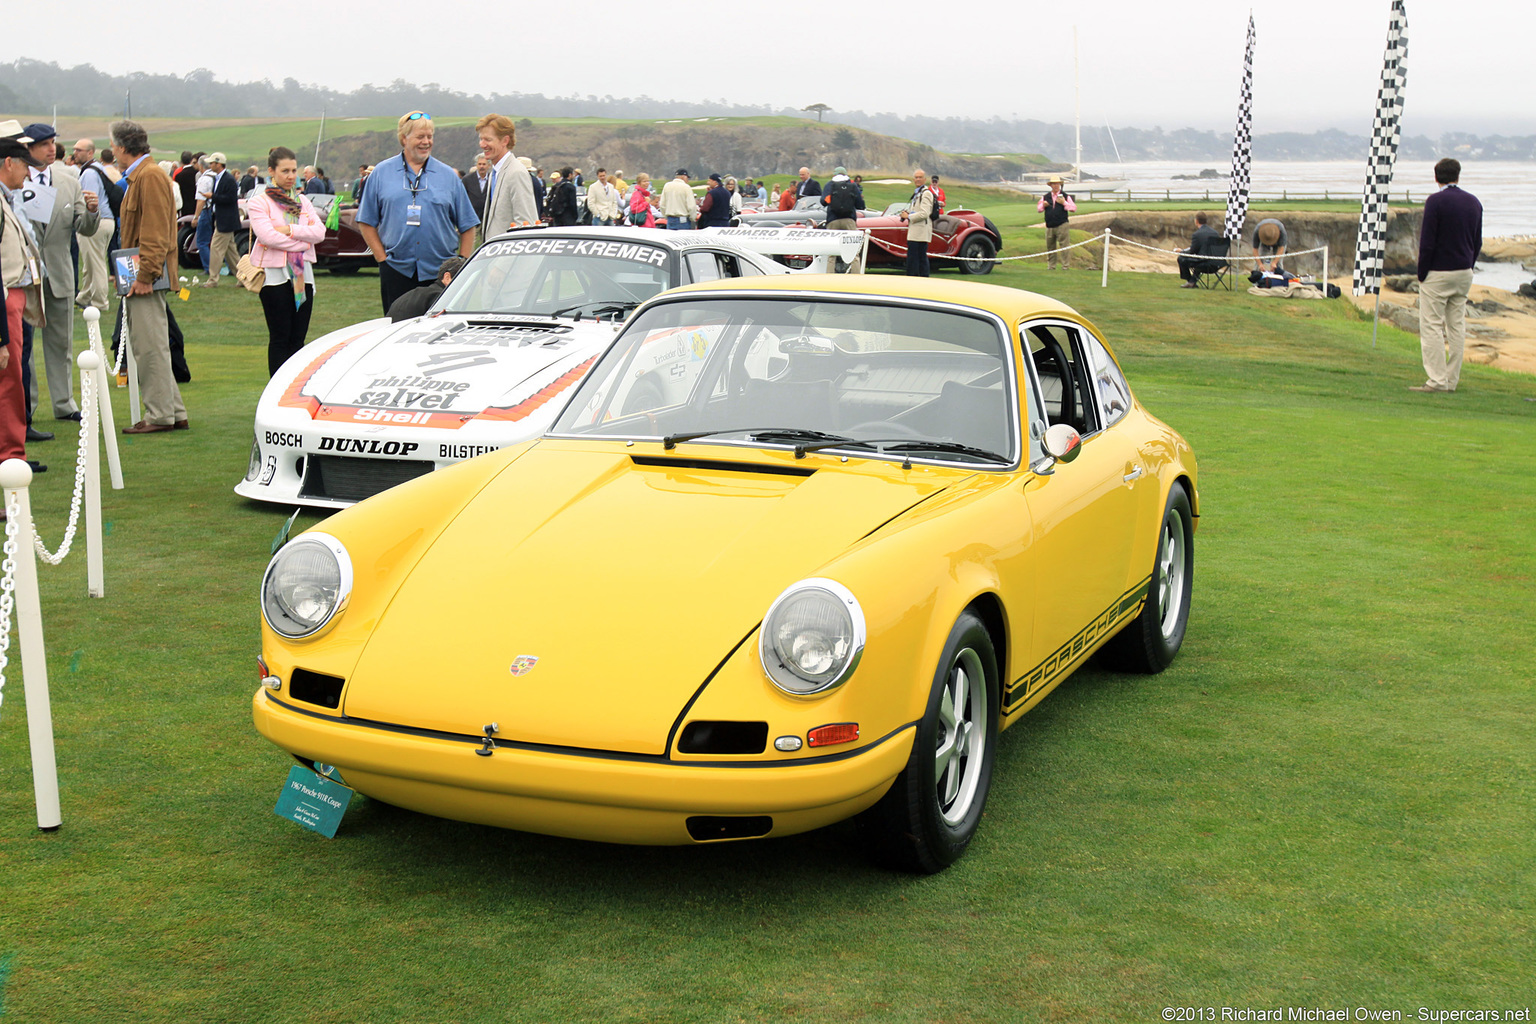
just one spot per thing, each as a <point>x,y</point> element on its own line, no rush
<point>1061,444</point>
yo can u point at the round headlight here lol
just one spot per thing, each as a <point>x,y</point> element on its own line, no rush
<point>812,637</point>
<point>254,466</point>
<point>307,584</point>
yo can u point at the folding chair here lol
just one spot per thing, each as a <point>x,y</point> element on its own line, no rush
<point>1215,273</point>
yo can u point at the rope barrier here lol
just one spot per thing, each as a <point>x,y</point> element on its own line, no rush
<point>892,246</point>
<point>87,424</point>
<point>7,587</point>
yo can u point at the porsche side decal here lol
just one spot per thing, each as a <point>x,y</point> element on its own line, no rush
<point>1067,655</point>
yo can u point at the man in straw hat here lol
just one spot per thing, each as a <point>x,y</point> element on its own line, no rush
<point>1269,240</point>
<point>1056,204</point>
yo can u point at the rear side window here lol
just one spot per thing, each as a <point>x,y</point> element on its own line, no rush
<point>1108,381</point>
<point>1064,375</point>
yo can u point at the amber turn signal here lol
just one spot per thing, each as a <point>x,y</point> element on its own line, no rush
<point>828,735</point>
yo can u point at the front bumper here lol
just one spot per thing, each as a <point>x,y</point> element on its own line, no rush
<point>583,794</point>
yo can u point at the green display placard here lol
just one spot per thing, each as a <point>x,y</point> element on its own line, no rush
<point>316,803</point>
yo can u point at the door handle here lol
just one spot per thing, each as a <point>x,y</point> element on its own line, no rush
<point>1133,475</point>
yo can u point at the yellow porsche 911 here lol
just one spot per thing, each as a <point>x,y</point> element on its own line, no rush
<point>796,550</point>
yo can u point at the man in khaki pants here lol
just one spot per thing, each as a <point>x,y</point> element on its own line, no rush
<point>1449,242</point>
<point>149,223</point>
<point>94,279</point>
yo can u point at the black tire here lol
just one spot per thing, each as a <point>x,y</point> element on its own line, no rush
<point>186,248</point>
<point>1151,641</point>
<point>344,269</point>
<point>976,254</point>
<point>645,396</point>
<point>913,828</point>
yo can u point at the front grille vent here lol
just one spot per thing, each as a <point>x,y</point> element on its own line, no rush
<point>344,478</point>
<point>705,828</point>
<point>316,688</point>
<point>723,738</point>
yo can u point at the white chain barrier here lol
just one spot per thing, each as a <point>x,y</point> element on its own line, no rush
<point>82,463</point>
<point>7,589</point>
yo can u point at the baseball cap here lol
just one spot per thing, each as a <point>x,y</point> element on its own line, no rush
<point>714,177</point>
<point>839,170</point>
<point>217,158</point>
<point>682,172</point>
<point>17,150</point>
<point>39,132</point>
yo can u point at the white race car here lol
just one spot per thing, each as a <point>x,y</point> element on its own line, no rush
<point>373,405</point>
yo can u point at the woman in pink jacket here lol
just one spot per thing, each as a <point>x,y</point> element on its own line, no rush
<point>286,228</point>
<point>640,202</point>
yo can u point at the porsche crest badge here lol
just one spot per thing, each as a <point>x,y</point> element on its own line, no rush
<point>523,664</point>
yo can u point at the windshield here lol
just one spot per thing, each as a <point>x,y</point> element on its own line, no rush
<point>793,371</point>
<point>549,276</point>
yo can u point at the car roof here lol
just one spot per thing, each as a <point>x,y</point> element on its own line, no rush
<point>1012,304</point>
<point>676,240</point>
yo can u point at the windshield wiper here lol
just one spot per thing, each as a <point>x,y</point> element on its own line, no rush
<point>759,434</point>
<point>614,305</point>
<point>947,447</point>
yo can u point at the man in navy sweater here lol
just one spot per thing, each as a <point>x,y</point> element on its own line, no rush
<point>1448,247</point>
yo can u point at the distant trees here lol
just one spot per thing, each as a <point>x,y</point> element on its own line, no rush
<point>844,139</point>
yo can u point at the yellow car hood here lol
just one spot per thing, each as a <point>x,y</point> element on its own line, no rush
<point>629,573</point>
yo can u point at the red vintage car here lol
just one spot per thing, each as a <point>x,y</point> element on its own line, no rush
<point>342,251</point>
<point>963,239</point>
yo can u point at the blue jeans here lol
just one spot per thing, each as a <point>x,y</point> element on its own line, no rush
<point>204,237</point>
<point>679,224</point>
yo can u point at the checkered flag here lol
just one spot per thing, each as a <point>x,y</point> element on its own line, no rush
<point>1370,248</point>
<point>1242,145</point>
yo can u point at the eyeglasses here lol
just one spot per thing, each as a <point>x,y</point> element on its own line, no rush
<point>418,115</point>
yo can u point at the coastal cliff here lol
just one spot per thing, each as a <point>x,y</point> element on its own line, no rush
<point>1307,230</point>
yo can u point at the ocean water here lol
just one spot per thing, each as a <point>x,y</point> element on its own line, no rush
<point>1506,188</point>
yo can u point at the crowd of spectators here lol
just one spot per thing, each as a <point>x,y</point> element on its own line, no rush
<point>419,217</point>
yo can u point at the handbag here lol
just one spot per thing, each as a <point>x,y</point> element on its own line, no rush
<point>254,278</point>
<point>637,218</point>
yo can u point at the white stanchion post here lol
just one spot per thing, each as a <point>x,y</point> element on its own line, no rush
<point>1325,271</point>
<point>92,317</point>
<point>1104,281</point>
<point>95,573</point>
<point>15,477</point>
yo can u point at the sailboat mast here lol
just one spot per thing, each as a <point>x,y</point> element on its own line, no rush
<point>1077,111</point>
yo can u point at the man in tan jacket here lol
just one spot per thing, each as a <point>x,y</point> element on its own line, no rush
<point>149,223</point>
<point>919,220</point>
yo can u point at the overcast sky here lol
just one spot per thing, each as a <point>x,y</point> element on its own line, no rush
<point>1316,64</point>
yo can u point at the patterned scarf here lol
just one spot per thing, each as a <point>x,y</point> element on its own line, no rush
<point>292,208</point>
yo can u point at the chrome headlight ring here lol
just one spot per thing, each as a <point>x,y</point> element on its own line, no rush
<point>306,586</point>
<point>812,637</point>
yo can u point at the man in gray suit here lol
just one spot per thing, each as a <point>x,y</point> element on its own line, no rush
<point>511,199</point>
<point>74,212</point>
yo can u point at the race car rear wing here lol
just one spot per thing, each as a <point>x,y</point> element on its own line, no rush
<point>823,248</point>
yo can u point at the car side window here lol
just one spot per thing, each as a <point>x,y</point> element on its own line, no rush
<point>1061,366</point>
<point>702,266</point>
<point>1108,381</point>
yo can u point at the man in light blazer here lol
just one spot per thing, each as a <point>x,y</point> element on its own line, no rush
<point>73,212</point>
<point>511,191</point>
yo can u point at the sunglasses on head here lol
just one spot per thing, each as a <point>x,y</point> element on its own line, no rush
<point>418,115</point>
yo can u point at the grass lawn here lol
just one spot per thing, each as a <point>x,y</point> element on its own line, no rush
<point>1325,802</point>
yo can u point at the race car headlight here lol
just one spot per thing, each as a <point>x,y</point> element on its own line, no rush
<point>812,637</point>
<point>306,585</point>
<point>255,466</point>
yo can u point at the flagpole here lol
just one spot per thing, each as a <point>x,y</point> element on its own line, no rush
<point>319,136</point>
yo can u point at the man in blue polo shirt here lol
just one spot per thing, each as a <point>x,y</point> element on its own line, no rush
<point>415,213</point>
